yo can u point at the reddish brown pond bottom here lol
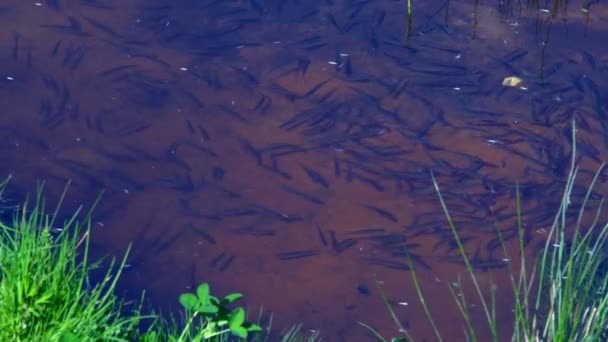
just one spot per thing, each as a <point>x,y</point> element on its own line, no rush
<point>284,149</point>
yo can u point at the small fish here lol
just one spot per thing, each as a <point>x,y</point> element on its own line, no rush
<point>216,259</point>
<point>296,255</point>
<point>202,233</point>
<point>321,235</point>
<point>303,195</point>
<point>227,263</point>
<point>315,176</point>
<point>384,213</point>
<point>341,246</point>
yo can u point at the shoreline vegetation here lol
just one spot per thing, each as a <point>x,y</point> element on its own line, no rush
<point>46,293</point>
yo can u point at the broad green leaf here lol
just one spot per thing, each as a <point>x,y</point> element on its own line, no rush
<point>231,298</point>
<point>188,301</point>
<point>253,327</point>
<point>207,309</point>
<point>214,300</point>
<point>237,318</point>
<point>239,331</point>
<point>203,292</point>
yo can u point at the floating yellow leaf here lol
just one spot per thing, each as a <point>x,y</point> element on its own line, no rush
<point>511,81</point>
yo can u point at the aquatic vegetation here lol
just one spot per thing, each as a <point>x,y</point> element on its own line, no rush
<point>567,302</point>
<point>46,293</point>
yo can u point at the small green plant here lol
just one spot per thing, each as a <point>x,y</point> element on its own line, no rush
<point>216,318</point>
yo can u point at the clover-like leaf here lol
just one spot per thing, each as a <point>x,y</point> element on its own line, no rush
<point>231,298</point>
<point>207,309</point>
<point>252,327</point>
<point>240,332</point>
<point>214,300</point>
<point>189,301</point>
<point>203,292</point>
<point>237,318</point>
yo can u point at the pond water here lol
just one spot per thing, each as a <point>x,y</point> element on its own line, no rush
<point>284,148</point>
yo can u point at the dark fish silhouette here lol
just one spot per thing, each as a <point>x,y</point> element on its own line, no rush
<point>296,255</point>
<point>315,176</point>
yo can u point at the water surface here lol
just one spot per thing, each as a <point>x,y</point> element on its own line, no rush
<point>284,148</point>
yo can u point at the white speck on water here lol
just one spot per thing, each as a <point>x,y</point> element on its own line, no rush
<point>332,62</point>
<point>403,303</point>
<point>10,78</point>
<point>37,4</point>
<point>183,69</point>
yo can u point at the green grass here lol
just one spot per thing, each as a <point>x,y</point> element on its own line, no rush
<point>46,293</point>
<point>562,298</point>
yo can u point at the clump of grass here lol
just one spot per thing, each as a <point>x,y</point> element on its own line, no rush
<point>568,301</point>
<point>46,295</point>
<point>44,289</point>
